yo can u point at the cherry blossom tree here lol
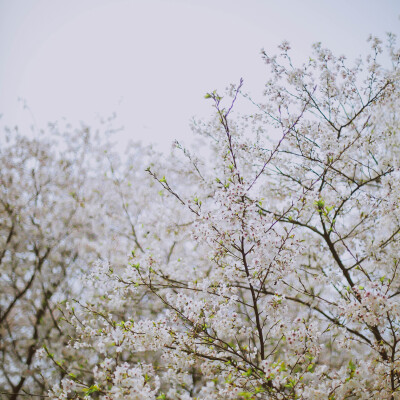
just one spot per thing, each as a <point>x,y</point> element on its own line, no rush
<point>266,266</point>
<point>61,209</point>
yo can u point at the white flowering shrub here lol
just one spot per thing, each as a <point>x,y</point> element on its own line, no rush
<point>266,268</point>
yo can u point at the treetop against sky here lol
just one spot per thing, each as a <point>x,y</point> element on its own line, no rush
<point>261,262</point>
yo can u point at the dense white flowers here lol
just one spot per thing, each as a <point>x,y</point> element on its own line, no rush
<point>269,270</point>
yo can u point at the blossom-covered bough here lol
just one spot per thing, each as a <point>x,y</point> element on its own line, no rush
<point>268,267</point>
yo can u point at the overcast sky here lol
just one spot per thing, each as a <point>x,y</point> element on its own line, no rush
<point>152,61</point>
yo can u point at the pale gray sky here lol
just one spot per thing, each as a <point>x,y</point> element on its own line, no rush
<point>152,61</point>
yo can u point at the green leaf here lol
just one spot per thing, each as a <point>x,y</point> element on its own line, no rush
<point>228,379</point>
<point>91,390</point>
<point>246,395</point>
<point>136,266</point>
<point>248,372</point>
<point>352,370</point>
<point>319,204</point>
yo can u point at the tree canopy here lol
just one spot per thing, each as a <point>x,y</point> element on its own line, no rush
<point>265,267</point>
